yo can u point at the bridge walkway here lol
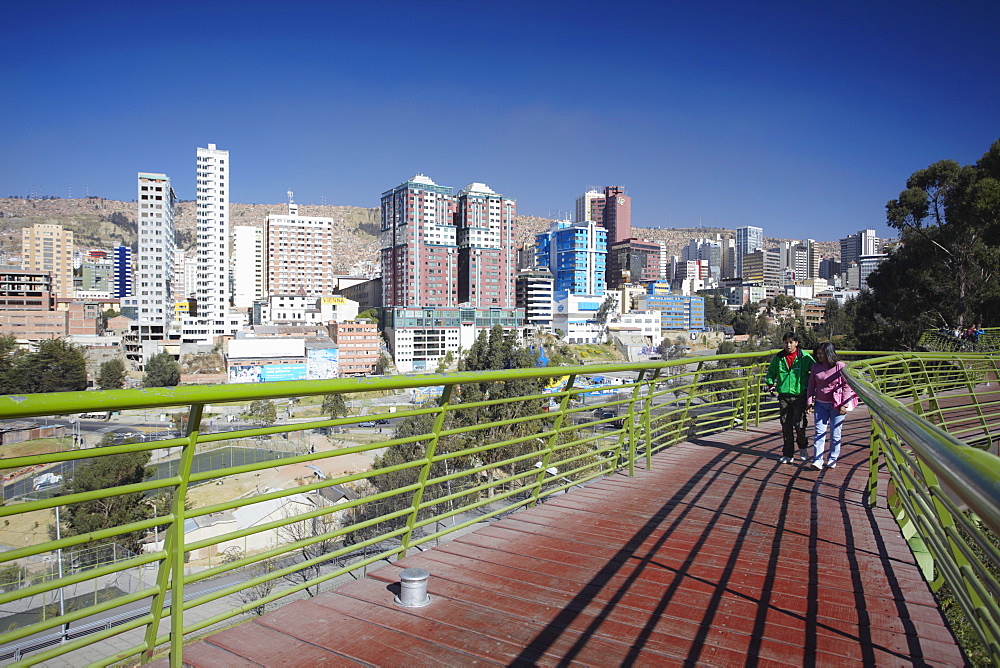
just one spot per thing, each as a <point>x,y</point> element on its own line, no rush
<point>718,555</point>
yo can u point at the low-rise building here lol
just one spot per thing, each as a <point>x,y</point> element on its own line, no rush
<point>419,337</point>
<point>358,344</point>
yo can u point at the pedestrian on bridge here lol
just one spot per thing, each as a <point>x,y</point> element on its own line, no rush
<point>788,373</point>
<point>831,398</point>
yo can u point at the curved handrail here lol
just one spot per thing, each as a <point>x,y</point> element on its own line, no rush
<point>974,475</point>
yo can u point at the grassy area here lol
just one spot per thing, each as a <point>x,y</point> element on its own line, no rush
<point>589,352</point>
<point>37,446</point>
<point>27,528</point>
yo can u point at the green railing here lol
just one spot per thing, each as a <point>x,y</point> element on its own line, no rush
<point>942,340</point>
<point>944,476</point>
<point>491,443</point>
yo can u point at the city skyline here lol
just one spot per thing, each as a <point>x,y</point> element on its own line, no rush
<point>801,120</point>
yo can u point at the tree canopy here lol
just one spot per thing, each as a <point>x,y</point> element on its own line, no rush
<point>261,412</point>
<point>111,375</point>
<point>944,271</point>
<point>108,511</point>
<point>162,370</point>
<point>57,366</point>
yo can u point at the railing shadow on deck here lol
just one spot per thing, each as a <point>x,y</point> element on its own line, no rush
<point>492,442</point>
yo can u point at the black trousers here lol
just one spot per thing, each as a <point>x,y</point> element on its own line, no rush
<point>794,417</point>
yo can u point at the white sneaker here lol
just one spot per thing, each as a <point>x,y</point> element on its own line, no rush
<point>785,460</point>
<point>831,465</point>
<point>816,465</point>
<point>803,454</point>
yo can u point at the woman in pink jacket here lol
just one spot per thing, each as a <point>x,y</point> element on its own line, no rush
<point>831,397</point>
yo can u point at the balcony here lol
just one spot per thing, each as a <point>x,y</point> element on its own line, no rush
<point>645,523</point>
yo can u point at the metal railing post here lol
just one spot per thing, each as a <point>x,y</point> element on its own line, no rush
<point>550,445</point>
<point>172,568</point>
<point>646,417</point>
<point>425,470</point>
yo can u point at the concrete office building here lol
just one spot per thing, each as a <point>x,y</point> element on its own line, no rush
<point>534,294</point>
<point>248,265</point>
<point>748,240</point>
<point>299,252</point>
<point>49,248</point>
<point>152,294</point>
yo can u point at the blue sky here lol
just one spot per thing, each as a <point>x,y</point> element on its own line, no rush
<point>801,118</point>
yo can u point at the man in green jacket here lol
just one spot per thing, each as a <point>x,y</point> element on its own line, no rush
<point>788,372</point>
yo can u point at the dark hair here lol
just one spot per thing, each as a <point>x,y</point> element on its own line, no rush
<point>828,352</point>
<point>790,336</point>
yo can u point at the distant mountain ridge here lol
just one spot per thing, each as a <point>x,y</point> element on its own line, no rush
<point>102,223</point>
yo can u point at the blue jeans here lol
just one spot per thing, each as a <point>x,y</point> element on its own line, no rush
<point>827,419</point>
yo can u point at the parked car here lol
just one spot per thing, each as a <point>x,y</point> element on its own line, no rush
<point>382,421</point>
<point>46,480</point>
<point>367,423</point>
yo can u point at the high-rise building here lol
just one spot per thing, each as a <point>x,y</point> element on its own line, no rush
<point>633,261</point>
<point>299,251</point>
<point>152,293</point>
<point>763,268</point>
<point>709,250</point>
<point>123,280</point>
<point>576,254</point>
<point>49,248</point>
<point>210,317</point>
<point>212,216</point>
<point>611,209</point>
<point>617,214</point>
<point>419,245</point>
<point>248,265</point>
<point>748,240</point>
<point>487,259</point>
<point>853,246</point>
<point>589,205</point>
<point>534,295</point>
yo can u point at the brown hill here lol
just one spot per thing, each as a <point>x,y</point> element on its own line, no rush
<point>103,223</point>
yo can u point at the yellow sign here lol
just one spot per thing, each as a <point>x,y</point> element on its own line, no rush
<point>334,300</point>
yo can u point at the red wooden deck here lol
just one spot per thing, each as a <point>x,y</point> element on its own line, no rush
<point>718,556</point>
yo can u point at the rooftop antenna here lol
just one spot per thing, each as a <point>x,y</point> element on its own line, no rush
<point>291,197</point>
<point>293,208</point>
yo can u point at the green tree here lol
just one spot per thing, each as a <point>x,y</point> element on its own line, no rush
<point>111,375</point>
<point>835,319</point>
<point>492,350</point>
<point>334,406</point>
<point>105,512</point>
<point>58,366</point>
<point>717,310</point>
<point>744,319</point>
<point>944,271</point>
<point>11,365</point>
<point>162,370</point>
<point>604,313</point>
<point>261,412</point>
<point>370,315</point>
<point>383,364</point>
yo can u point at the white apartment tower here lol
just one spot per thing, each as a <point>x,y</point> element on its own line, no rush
<point>211,286</point>
<point>248,265</point>
<point>212,215</point>
<point>152,292</point>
